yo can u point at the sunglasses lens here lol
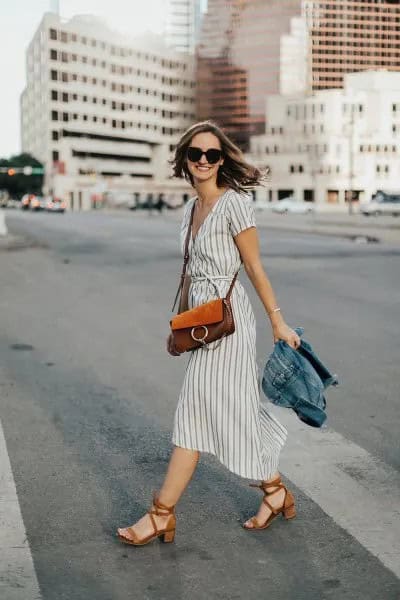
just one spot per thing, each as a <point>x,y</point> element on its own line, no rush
<point>194,154</point>
<point>213,155</point>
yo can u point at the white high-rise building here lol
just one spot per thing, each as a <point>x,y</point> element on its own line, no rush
<point>101,111</point>
<point>183,21</point>
<point>324,146</point>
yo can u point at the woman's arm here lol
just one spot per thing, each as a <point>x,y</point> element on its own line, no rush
<point>248,246</point>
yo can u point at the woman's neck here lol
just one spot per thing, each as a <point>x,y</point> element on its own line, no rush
<point>208,192</point>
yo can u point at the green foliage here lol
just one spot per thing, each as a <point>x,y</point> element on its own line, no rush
<point>19,184</point>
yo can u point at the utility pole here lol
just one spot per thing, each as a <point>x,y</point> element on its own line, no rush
<point>351,162</point>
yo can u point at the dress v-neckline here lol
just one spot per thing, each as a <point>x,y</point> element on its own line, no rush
<point>206,217</point>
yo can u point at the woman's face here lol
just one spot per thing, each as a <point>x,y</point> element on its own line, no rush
<point>203,168</point>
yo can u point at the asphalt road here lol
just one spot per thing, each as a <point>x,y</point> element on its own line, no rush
<point>87,402</point>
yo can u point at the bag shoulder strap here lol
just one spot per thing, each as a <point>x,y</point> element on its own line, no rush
<point>185,261</point>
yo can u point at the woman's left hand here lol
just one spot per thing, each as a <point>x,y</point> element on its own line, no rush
<point>283,332</point>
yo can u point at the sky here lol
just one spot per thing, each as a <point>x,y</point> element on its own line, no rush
<point>18,21</point>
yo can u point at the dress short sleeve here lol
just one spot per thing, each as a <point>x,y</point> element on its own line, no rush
<point>241,213</point>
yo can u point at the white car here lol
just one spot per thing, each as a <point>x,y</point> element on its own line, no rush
<point>262,205</point>
<point>291,205</point>
<point>382,204</point>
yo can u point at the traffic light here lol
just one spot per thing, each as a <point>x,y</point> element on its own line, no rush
<point>11,172</point>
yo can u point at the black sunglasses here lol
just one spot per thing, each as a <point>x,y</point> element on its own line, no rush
<point>213,155</point>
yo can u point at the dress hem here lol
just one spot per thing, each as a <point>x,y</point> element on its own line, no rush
<point>234,471</point>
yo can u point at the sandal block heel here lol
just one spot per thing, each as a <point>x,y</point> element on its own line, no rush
<point>168,537</point>
<point>289,512</point>
<point>289,509</point>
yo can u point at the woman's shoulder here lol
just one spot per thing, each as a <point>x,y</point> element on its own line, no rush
<point>236,199</point>
<point>239,211</point>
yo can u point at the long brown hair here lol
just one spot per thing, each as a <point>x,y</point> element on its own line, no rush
<point>235,173</point>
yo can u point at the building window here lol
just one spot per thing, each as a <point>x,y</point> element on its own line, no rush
<point>65,117</point>
<point>53,75</point>
<point>53,34</point>
<point>291,168</point>
<point>54,115</point>
<point>64,36</point>
<point>54,135</point>
<point>65,97</point>
<point>53,54</point>
<point>54,95</point>
<point>55,155</point>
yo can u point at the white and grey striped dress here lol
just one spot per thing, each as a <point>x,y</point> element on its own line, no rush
<point>219,408</point>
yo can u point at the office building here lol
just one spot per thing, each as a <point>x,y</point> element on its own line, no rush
<point>238,61</point>
<point>335,38</point>
<point>101,111</point>
<point>183,21</point>
<point>335,143</point>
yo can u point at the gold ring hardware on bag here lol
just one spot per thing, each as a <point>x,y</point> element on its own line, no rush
<point>196,339</point>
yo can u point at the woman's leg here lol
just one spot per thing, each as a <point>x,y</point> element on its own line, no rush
<point>181,467</point>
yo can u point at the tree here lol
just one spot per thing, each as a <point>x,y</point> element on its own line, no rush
<point>18,184</point>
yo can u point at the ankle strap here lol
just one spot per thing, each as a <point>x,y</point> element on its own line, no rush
<point>266,486</point>
<point>160,509</point>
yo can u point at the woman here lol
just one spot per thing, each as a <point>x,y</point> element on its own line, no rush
<point>219,408</point>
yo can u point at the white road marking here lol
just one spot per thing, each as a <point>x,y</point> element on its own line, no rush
<point>17,574</point>
<point>359,492</point>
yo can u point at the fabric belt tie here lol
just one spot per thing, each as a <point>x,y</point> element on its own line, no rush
<point>212,279</point>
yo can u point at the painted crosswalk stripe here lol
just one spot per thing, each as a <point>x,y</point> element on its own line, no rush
<point>17,574</point>
<point>358,491</point>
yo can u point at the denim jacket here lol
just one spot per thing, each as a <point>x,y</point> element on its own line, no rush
<point>297,379</point>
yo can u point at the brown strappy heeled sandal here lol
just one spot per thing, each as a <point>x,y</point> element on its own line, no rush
<point>167,534</point>
<point>287,509</point>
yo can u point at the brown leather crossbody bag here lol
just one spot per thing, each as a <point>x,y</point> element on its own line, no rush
<point>203,324</point>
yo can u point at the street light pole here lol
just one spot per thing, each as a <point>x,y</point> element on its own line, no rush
<point>351,162</point>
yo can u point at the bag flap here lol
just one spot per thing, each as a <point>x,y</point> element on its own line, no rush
<point>205,314</point>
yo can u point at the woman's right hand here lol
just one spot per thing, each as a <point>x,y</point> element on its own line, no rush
<point>171,346</point>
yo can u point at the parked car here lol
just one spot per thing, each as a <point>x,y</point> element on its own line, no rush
<point>26,201</point>
<point>382,203</point>
<point>13,203</point>
<point>36,203</point>
<point>260,205</point>
<point>55,205</point>
<point>291,205</point>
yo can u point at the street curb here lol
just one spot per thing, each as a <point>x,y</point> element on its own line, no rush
<point>354,236</point>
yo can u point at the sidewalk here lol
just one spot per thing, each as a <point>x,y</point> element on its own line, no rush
<point>355,227</point>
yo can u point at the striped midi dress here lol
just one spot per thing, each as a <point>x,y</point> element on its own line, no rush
<point>219,409</point>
